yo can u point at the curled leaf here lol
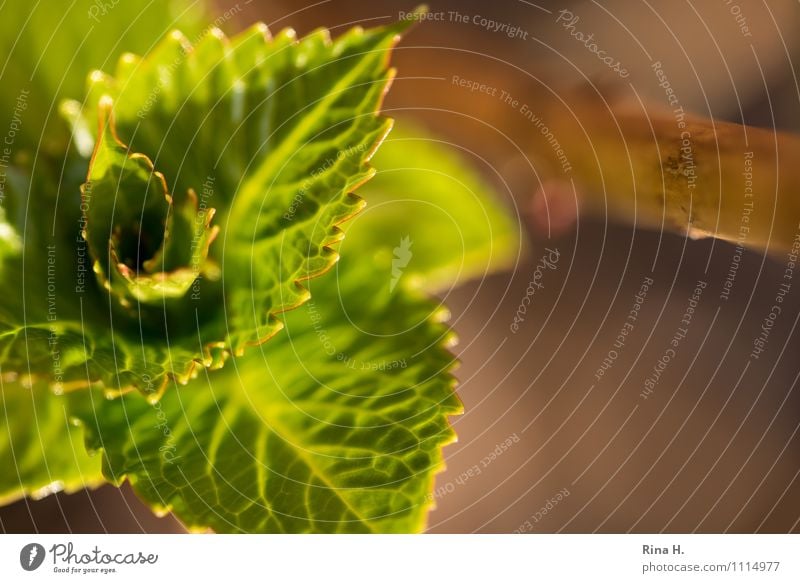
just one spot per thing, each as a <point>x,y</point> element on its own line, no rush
<point>147,245</point>
<point>273,132</point>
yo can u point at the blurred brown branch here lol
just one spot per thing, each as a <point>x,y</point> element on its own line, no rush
<point>668,169</point>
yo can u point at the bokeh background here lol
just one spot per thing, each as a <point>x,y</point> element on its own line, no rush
<point>715,448</point>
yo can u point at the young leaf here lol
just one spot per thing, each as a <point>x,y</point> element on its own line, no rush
<point>50,301</point>
<point>274,133</point>
<point>337,427</point>
<point>48,46</point>
<point>166,251</point>
<point>429,205</point>
<point>338,424</point>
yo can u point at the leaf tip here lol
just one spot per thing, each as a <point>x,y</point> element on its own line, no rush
<point>128,59</point>
<point>216,33</point>
<point>178,37</point>
<point>262,29</point>
<point>97,76</point>
<point>411,18</point>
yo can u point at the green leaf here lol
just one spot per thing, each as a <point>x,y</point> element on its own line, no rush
<point>245,123</point>
<point>39,306</point>
<point>48,46</point>
<point>273,132</point>
<point>337,427</point>
<point>432,221</point>
<point>42,452</point>
<point>168,247</point>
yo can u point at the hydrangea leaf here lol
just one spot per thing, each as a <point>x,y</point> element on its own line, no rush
<point>337,426</point>
<point>432,221</point>
<point>273,132</point>
<point>41,450</point>
<point>300,123</point>
<point>148,244</point>
<point>48,46</point>
<point>51,301</point>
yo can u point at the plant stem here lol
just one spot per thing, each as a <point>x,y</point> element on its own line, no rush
<point>669,170</point>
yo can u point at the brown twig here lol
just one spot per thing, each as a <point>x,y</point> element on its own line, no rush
<point>670,170</point>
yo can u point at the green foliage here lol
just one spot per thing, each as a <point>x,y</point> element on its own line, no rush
<point>427,192</point>
<point>336,425</point>
<point>168,248</point>
<point>49,46</point>
<point>112,277</point>
<point>41,449</point>
<point>299,124</point>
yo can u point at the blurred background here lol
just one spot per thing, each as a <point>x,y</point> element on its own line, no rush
<point>714,447</point>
